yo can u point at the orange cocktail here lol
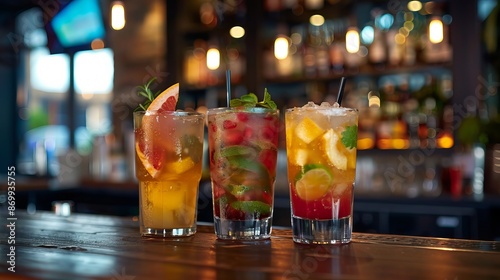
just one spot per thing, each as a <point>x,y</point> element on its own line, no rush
<point>321,151</point>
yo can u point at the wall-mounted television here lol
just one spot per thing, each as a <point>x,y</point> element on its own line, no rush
<point>74,25</point>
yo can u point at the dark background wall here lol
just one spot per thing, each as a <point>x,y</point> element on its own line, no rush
<point>8,77</point>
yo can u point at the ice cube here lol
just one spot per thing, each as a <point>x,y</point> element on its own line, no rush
<point>310,104</point>
<point>336,105</point>
<point>325,104</point>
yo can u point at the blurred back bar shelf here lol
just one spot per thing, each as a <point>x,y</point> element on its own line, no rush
<point>400,81</point>
<point>413,96</point>
<point>397,78</point>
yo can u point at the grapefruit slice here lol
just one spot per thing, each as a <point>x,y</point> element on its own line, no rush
<point>152,164</point>
<point>152,159</point>
<point>167,100</point>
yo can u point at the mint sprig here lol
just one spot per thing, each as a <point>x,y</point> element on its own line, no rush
<point>350,137</point>
<point>146,92</point>
<point>251,100</point>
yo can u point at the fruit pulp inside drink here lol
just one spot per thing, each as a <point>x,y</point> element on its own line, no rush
<point>243,153</point>
<point>321,152</point>
<point>168,204</point>
<point>168,166</point>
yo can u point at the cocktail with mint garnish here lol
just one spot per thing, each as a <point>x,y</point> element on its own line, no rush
<point>243,147</point>
<point>321,151</point>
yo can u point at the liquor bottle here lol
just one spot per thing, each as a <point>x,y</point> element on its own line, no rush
<point>273,5</point>
<point>377,51</point>
<point>322,53</point>
<point>410,54</point>
<point>314,4</point>
<point>290,4</point>
<point>394,49</point>
<point>309,55</point>
<point>337,57</point>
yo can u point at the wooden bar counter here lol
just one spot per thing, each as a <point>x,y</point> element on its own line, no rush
<point>85,246</point>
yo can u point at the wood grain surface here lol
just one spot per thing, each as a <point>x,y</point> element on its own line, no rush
<point>106,247</point>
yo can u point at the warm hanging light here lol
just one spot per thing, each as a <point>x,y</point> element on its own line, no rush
<point>414,6</point>
<point>213,59</point>
<point>237,32</point>
<point>317,20</point>
<point>436,31</point>
<point>281,48</point>
<point>352,40</point>
<point>117,15</point>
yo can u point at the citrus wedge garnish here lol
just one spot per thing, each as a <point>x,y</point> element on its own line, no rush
<point>152,164</point>
<point>307,130</point>
<point>166,100</point>
<point>314,182</point>
<point>152,157</point>
<point>336,155</point>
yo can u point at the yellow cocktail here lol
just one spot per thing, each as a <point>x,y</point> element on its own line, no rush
<point>169,148</point>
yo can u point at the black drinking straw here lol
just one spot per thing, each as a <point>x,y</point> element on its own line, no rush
<point>341,91</point>
<point>228,86</point>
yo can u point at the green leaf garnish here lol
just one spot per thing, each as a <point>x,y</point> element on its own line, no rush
<point>350,136</point>
<point>146,92</point>
<point>251,100</point>
<point>239,190</point>
<point>192,147</point>
<point>256,207</point>
<point>238,150</point>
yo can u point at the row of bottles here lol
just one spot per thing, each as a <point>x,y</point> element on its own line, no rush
<point>312,54</point>
<point>406,112</point>
<point>369,39</point>
<point>321,51</point>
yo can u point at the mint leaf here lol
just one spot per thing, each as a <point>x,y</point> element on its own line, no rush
<point>251,100</point>
<point>350,136</point>
<point>236,103</point>
<point>250,172</point>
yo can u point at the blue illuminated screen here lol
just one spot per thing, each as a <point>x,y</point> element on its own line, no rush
<point>79,23</point>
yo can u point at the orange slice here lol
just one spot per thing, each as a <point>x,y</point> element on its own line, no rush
<point>181,166</point>
<point>167,100</point>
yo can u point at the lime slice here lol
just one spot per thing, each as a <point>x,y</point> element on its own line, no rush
<point>238,150</point>
<point>249,165</point>
<point>258,207</point>
<point>313,182</point>
<point>239,190</point>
